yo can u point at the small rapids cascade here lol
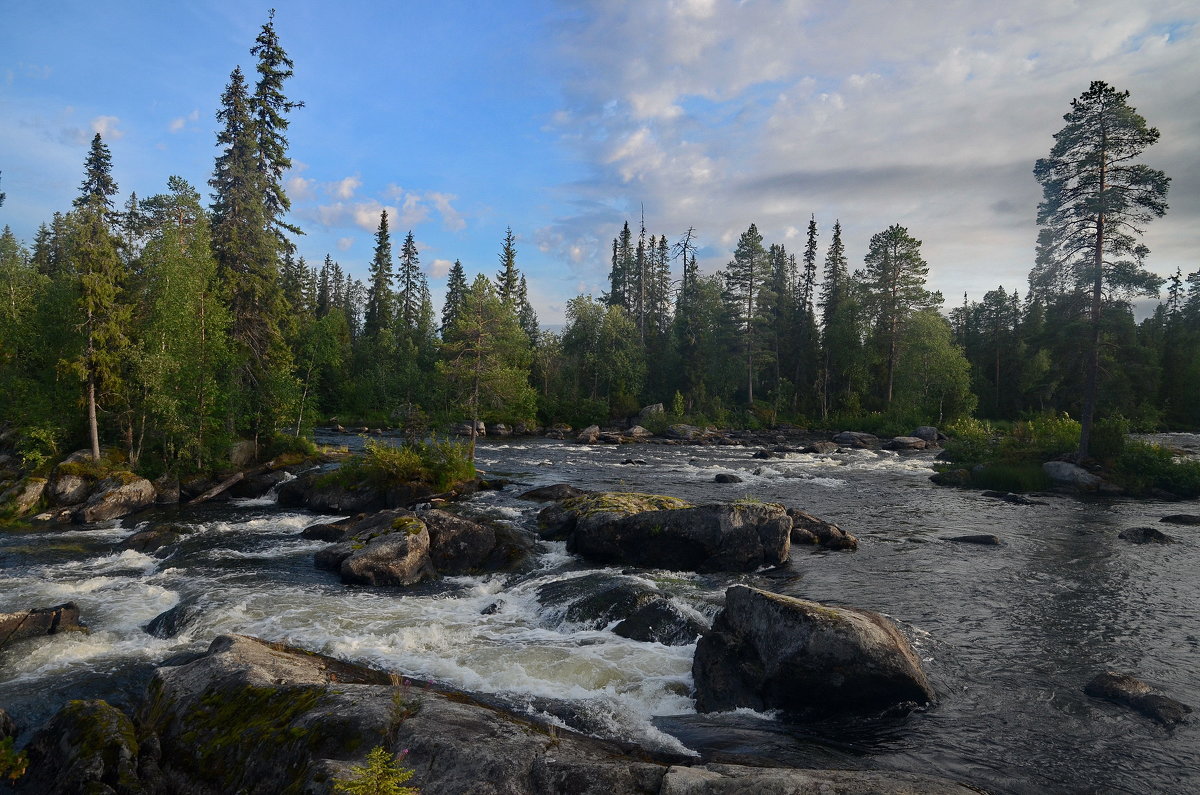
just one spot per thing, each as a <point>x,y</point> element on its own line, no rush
<point>1009,635</point>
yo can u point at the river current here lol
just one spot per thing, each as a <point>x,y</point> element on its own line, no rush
<point>1009,635</point>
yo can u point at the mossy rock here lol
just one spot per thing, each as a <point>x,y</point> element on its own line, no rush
<point>89,746</point>
<point>621,503</point>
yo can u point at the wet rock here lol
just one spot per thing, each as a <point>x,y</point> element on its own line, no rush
<point>589,435</point>
<point>399,557</point>
<point>87,747</point>
<point>633,462</point>
<point>1067,474</point>
<point>167,490</point>
<point>956,478</point>
<point>555,493</point>
<point>464,428</point>
<point>555,522</point>
<point>905,443</point>
<point>1181,518</point>
<point>725,477</point>
<point>767,651</point>
<point>461,546</point>
<point>980,539</point>
<point>660,621</point>
<point>116,496</point>
<point>808,529</point>
<point>821,448</point>
<point>857,440</point>
<point>766,455</point>
<point>1145,535</point>
<point>322,531</point>
<point>499,430</point>
<point>638,432</point>
<point>1129,691</point>
<point>152,539</point>
<point>1015,499</point>
<point>736,537</point>
<point>40,621</point>
<point>8,727</point>
<point>170,623</point>
<point>258,485</point>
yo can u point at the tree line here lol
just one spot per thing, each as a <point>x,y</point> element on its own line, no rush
<point>176,327</point>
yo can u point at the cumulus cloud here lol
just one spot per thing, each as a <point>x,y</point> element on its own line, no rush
<point>451,218</point>
<point>345,188</point>
<point>344,243</point>
<point>439,268</point>
<point>719,113</point>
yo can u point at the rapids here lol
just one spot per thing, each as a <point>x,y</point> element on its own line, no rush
<point>1009,635</point>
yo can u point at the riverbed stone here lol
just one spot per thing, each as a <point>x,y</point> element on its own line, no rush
<point>589,435</point>
<point>1182,518</point>
<point>40,621</point>
<point>1067,474</point>
<point>172,622</point>
<point>821,448</point>
<point>461,546</point>
<point>726,477</point>
<point>118,495</point>
<point>809,529</point>
<point>152,539</point>
<point>956,478</point>
<point>767,651</point>
<point>1127,690</point>
<point>733,537</point>
<point>554,493</point>
<point>905,443</point>
<point>1145,535</point>
<point>857,440</point>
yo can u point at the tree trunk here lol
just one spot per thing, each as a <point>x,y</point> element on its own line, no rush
<point>93,428</point>
<point>1093,364</point>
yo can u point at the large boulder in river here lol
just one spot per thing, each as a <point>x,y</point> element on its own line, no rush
<point>462,546</point>
<point>87,747</point>
<point>1064,473</point>
<point>1129,691</point>
<point>685,433</point>
<point>636,610</point>
<point>809,529</point>
<point>766,651</point>
<point>39,621</point>
<point>559,521</point>
<point>905,443</point>
<point>857,440</point>
<point>589,435</point>
<point>119,494</point>
<point>555,493</point>
<point>23,497</point>
<point>741,536</point>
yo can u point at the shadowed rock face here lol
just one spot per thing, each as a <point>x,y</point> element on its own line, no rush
<point>89,746</point>
<point>737,537</point>
<point>767,651</point>
<point>1127,690</point>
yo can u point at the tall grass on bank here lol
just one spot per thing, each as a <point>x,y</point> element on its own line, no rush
<point>437,462</point>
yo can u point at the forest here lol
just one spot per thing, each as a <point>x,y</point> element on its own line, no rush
<point>168,326</point>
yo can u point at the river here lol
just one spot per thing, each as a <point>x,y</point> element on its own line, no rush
<point>1009,635</point>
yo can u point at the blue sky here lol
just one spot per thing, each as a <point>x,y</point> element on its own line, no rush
<point>564,119</point>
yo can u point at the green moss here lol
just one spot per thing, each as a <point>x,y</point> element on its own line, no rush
<point>622,503</point>
<point>409,524</point>
<point>230,727</point>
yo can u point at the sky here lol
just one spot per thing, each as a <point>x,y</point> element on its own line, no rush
<point>565,119</point>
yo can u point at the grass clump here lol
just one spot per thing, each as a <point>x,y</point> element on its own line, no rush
<point>622,503</point>
<point>442,464</point>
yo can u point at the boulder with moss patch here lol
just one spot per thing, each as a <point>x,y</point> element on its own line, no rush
<point>22,498</point>
<point>734,537</point>
<point>767,651</point>
<point>88,746</point>
<point>119,494</point>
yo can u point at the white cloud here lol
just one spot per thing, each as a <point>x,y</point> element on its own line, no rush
<point>345,188</point>
<point>106,126</point>
<point>299,189</point>
<point>344,243</point>
<point>451,218</point>
<point>718,113</point>
<point>439,268</point>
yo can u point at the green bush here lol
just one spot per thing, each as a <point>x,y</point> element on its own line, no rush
<point>381,775</point>
<point>971,441</point>
<point>286,443</point>
<point>1040,438</point>
<point>441,463</point>
<point>1108,438</point>
<point>38,446</point>
<point>1143,466</point>
<point>1010,477</point>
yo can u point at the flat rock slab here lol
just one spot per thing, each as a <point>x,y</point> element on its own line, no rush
<point>40,621</point>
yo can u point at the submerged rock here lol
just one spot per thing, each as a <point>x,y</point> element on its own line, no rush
<point>981,539</point>
<point>808,529</point>
<point>725,477</point>
<point>1181,518</point>
<point>639,612</point>
<point>821,448</point>
<point>153,539</point>
<point>40,621</point>
<point>1015,499</point>
<point>957,478</point>
<point>170,623</point>
<point>1128,690</point>
<point>767,651</point>
<point>1145,535</point>
<point>555,493</point>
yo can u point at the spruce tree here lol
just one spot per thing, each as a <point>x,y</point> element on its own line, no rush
<point>744,277</point>
<point>456,290</point>
<point>270,107</point>
<point>508,278</point>
<point>410,285</point>
<point>379,311</point>
<point>526,316</point>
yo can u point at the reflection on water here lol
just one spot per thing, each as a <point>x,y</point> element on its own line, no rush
<point>1009,635</point>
